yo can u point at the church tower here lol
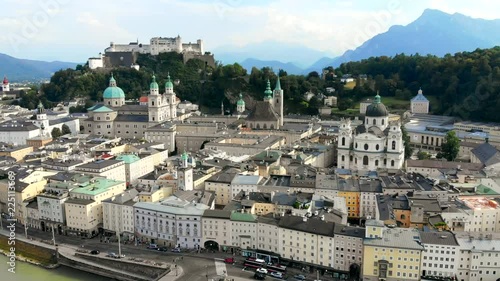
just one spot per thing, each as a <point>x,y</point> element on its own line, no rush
<point>240,106</point>
<point>185,174</point>
<point>278,100</point>
<point>171,99</point>
<point>344,144</point>
<point>41,119</point>
<point>395,146</point>
<point>154,102</point>
<point>268,94</point>
<point>5,85</point>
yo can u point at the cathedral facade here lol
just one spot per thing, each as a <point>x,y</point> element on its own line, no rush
<point>114,118</point>
<point>372,145</point>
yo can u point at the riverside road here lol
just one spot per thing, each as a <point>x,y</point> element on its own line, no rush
<point>195,266</point>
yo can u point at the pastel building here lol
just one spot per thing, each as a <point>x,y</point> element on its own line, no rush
<point>391,254</point>
<point>419,103</point>
<point>84,213</point>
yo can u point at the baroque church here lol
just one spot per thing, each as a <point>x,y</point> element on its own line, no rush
<point>267,114</point>
<point>114,118</point>
<point>372,145</point>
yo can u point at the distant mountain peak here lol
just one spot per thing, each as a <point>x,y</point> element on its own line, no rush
<point>434,32</point>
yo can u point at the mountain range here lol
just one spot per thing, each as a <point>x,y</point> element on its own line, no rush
<point>434,32</point>
<point>18,70</point>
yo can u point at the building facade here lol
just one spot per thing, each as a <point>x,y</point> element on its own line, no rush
<point>376,144</point>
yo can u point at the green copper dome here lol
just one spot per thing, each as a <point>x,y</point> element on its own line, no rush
<point>169,84</point>
<point>240,101</point>
<point>153,84</point>
<point>268,94</point>
<point>113,91</point>
<point>184,156</point>
<point>377,108</point>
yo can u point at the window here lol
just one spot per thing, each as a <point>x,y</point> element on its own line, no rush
<point>374,121</point>
<point>376,162</point>
<point>365,160</point>
<point>366,146</point>
<point>343,141</point>
<point>392,163</point>
<point>393,144</point>
<point>377,147</point>
<point>343,158</point>
<point>382,121</point>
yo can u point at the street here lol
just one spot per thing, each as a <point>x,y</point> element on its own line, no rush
<point>196,266</point>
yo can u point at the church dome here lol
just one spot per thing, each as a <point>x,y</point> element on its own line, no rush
<point>153,84</point>
<point>169,84</point>
<point>113,91</point>
<point>240,101</point>
<point>377,108</point>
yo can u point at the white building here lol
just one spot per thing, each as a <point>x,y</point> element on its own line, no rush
<point>441,254</point>
<point>348,247</point>
<point>479,258</point>
<point>185,174</point>
<point>216,229</point>
<point>172,222</point>
<point>376,144</point>
<point>118,212</point>
<point>135,166</point>
<point>84,208</point>
<point>308,240</point>
<point>243,230</point>
<point>246,183</point>
<point>111,169</point>
<point>5,84</point>
<point>368,198</point>
<point>420,104</point>
<point>475,214</point>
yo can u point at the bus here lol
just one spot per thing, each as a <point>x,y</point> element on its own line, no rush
<point>276,268</point>
<point>254,263</point>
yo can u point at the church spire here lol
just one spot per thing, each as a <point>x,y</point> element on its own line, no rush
<point>278,84</point>
<point>268,94</point>
<point>377,98</point>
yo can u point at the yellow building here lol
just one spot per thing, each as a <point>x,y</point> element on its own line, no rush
<point>29,184</point>
<point>349,189</point>
<point>155,194</point>
<point>391,254</point>
<point>17,152</point>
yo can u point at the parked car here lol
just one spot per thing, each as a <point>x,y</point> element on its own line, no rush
<point>176,250</point>
<point>259,276</point>
<point>163,249</point>
<point>229,260</point>
<point>275,274</point>
<point>262,270</point>
<point>153,246</point>
<point>94,252</point>
<point>112,255</point>
<point>299,277</point>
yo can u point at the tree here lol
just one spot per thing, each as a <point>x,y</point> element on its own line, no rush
<point>56,132</point>
<point>422,155</point>
<point>406,141</point>
<point>65,129</point>
<point>450,147</point>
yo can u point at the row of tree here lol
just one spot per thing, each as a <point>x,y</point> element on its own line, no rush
<point>466,84</point>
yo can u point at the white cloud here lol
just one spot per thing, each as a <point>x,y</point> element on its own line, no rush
<point>89,19</point>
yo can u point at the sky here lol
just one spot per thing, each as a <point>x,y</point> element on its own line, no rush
<point>73,30</point>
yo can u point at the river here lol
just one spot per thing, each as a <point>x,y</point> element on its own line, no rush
<point>28,272</point>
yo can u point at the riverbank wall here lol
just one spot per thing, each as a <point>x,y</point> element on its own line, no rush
<point>27,252</point>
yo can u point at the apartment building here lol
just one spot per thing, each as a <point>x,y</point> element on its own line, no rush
<point>84,213</point>
<point>216,229</point>
<point>440,255</point>
<point>118,213</point>
<point>391,254</point>
<point>111,169</point>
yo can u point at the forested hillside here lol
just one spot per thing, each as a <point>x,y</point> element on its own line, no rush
<point>466,84</point>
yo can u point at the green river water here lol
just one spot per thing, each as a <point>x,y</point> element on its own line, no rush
<point>28,272</point>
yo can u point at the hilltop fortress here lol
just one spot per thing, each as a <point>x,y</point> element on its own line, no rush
<point>126,54</point>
